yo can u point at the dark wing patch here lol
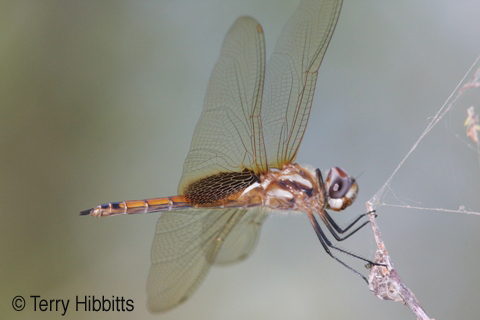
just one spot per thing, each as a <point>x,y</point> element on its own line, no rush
<point>220,186</point>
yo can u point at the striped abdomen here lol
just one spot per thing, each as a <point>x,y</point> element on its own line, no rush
<point>218,190</point>
<point>138,206</point>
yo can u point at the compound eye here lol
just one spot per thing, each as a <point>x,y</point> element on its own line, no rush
<point>339,183</point>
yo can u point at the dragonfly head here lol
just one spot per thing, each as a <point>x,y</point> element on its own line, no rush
<point>341,189</point>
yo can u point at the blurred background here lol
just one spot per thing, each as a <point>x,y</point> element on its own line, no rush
<point>98,103</point>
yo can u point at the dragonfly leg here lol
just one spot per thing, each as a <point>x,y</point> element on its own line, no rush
<point>333,227</point>
<point>327,245</point>
<point>322,187</point>
<point>351,224</point>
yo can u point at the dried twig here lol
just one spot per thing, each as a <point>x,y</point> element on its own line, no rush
<point>384,281</point>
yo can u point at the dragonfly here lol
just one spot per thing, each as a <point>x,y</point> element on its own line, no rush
<point>240,166</point>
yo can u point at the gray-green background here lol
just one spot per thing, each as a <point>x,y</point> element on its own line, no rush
<point>98,103</point>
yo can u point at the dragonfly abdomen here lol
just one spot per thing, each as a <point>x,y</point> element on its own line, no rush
<point>138,206</point>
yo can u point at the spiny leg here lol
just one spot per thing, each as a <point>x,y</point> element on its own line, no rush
<point>327,245</point>
<point>322,187</point>
<point>351,224</point>
<point>329,222</point>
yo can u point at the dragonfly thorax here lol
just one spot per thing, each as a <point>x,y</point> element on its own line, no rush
<point>291,188</point>
<point>295,187</point>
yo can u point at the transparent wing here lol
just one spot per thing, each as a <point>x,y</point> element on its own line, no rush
<point>243,238</point>
<point>291,76</point>
<point>228,136</point>
<point>186,244</point>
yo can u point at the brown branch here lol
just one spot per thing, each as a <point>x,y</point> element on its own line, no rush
<point>384,281</point>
